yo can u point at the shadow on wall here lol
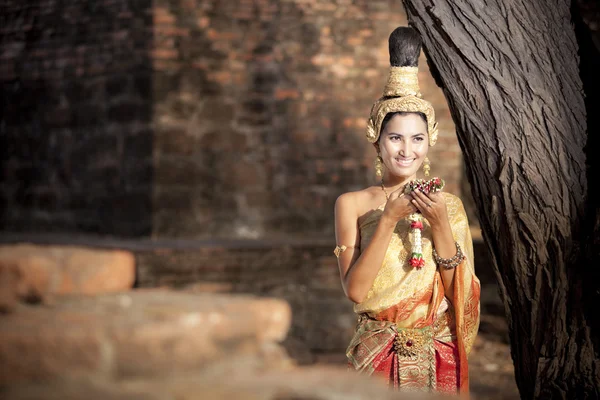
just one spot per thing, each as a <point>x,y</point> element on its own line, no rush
<point>75,128</point>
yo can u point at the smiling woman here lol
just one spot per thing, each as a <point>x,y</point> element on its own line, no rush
<point>404,248</point>
<point>403,143</point>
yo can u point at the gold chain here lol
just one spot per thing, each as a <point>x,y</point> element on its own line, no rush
<point>384,191</point>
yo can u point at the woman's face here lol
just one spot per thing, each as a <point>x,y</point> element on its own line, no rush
<point>404,144</point>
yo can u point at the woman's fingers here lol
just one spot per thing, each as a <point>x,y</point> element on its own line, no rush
<point>422,196</point>
<point>418,197</point>
<point>413,207</point>
<point>395,194</point>
<point>418,202</point>
<point>435,197</point>
<point>423,202</point>
<point>404,202</point>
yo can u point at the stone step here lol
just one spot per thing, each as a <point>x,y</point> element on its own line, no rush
<point>306,383</point>
<point>36,272</point>
<point>145,332</point>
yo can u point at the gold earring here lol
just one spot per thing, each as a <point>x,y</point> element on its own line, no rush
<point>426,166</point>
<point>379,166</point>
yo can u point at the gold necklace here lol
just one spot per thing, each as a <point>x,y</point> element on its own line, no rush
<point>384,191</point>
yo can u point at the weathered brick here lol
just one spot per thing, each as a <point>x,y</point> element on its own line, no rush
<point>183,171</point>
<point>163,17</point>
<point>42,271</point>
<point>166,54</point>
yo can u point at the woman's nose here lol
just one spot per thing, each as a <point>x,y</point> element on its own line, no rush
<point>404,148</point>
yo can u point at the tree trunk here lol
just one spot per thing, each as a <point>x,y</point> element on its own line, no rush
<point>510,73</point>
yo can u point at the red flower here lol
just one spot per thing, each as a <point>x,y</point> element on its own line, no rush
<point>416,225</point>
<point>417,263</point>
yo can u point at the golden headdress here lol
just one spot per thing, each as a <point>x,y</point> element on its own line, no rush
<point>401,93</point>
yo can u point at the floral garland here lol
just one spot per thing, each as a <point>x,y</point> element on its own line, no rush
<point>416,219</point>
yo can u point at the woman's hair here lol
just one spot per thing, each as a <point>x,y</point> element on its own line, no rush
<point>405,49</point>
<point>391,115</point>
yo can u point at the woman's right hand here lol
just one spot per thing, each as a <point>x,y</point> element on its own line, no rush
<point>399,206</point>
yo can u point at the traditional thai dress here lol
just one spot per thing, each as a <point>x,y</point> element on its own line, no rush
<point>407,330</point>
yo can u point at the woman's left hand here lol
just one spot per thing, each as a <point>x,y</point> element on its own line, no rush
<point>432,206</point>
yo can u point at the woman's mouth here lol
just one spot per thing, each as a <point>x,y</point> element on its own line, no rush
<point>404,162</point>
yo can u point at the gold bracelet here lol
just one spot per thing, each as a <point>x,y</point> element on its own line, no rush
<point>449,263</point>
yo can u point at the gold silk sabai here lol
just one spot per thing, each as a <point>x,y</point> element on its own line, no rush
<point>405,297</point>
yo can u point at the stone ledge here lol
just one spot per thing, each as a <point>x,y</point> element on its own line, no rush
<point>309,383</point>
<point>34,272</point>
<point>138,333</point>
<point>147,244</point>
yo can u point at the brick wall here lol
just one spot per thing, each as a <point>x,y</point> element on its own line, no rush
<point>188,118</point>
<point>260,110</point>
<point>75,134</point>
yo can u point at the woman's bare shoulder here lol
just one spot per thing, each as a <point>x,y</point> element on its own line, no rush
<point>357,200</point>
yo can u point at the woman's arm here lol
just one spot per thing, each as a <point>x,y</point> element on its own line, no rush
<point>433,207</point>
<point>358,271</point>
<point>443,240</point>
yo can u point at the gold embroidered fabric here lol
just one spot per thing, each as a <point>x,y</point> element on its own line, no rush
<point>415,350</point>
<point>419,290</point>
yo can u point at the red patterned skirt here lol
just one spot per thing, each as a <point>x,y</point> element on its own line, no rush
<point>424,359</point>
<point>447,366</point>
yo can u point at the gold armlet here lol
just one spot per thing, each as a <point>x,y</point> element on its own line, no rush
<point>340,249</point>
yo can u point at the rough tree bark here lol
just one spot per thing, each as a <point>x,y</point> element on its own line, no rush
<point>510,72</point>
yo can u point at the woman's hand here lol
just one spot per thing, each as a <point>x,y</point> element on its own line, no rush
<point>399,206</point>
<point>432,206</point>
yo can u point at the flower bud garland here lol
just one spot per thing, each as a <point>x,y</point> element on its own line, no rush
<point>416,219</point>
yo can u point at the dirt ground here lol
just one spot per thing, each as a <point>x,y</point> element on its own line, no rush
<point>491,369</point>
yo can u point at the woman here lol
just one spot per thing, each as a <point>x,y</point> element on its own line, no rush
<point>404,248</point>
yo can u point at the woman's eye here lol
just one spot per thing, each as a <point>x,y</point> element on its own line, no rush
<point>419,139</point>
